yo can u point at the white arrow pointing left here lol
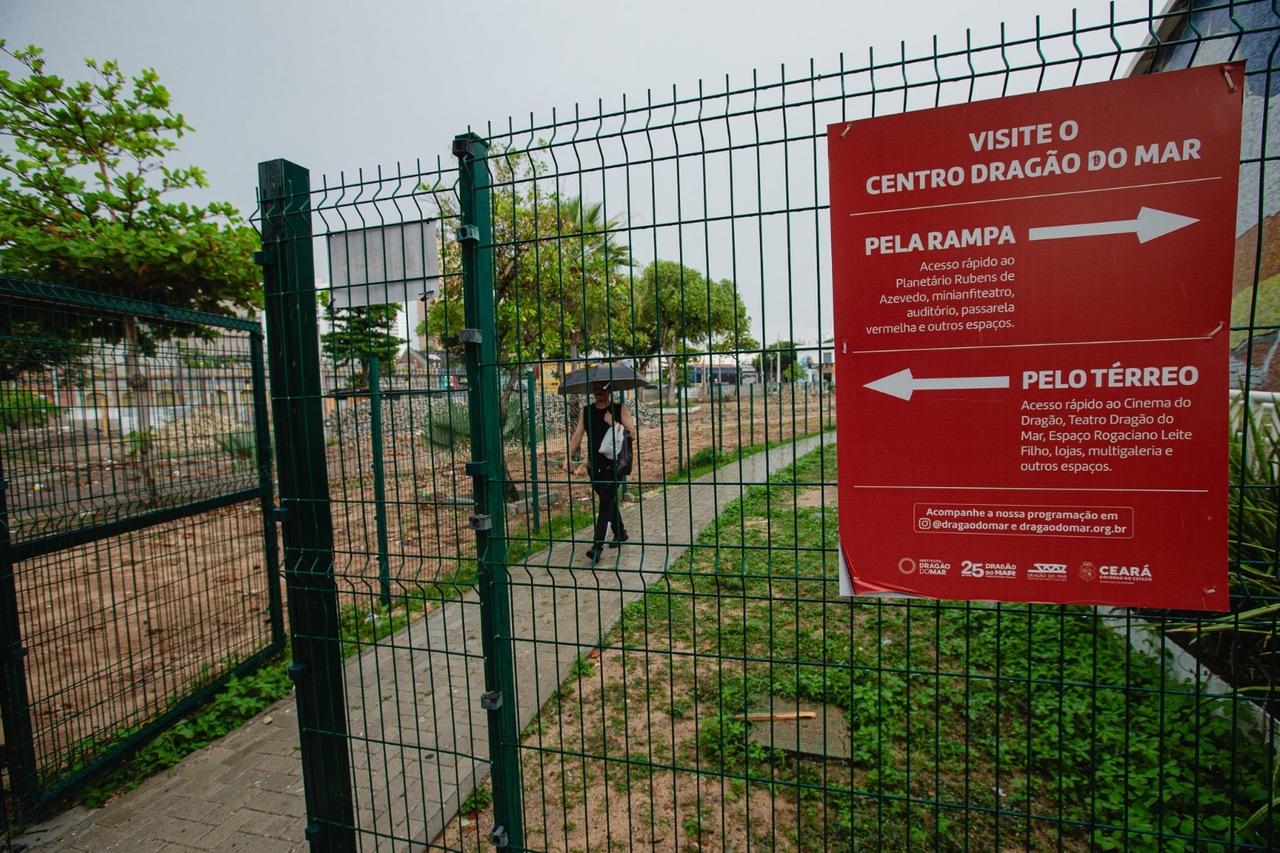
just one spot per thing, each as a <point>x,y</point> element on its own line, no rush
<point>1148,225</point>
<point>902,384</point>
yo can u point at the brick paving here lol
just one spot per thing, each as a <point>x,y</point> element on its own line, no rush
<point>418,737</point>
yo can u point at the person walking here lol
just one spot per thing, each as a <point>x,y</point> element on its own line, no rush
<point>594,422</point>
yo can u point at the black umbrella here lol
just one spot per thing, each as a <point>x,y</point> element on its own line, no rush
<point>618,376</point>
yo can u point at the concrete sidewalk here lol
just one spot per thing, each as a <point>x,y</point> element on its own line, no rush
<point>419,740</point>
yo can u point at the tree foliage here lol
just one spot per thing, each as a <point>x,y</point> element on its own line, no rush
<point>559,270</point>
<point>85,192</point>
<point>27,343</point>
<point>566,287</point>
<point>679,310</point>
<point>357,336</point>
<point>86,200</point>
<point>678,305</point>
<point>777,356</point>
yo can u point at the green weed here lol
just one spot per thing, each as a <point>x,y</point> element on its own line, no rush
<point>478,800</point>
<point>240,701</point>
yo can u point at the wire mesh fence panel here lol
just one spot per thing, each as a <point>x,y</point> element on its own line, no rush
<point>390,429</point>
<point>138,561</point>
<point>656,653</point>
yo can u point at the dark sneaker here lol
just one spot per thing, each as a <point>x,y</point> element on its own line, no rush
<point>594,553</point>
<point>617,543</point>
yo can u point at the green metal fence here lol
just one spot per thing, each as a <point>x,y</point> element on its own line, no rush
<point>138,562</point>
<point>478,667</point>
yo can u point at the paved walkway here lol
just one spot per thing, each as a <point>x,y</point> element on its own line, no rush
<point>419,739</point>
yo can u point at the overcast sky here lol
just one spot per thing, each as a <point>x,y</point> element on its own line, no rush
<point>338,85</point>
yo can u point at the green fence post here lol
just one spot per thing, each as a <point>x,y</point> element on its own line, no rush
<point>487,470</point>
<point>15,705</point>
<point>533,452</point>
<point>781,425</point>
<point>379,480</point>
<point>679,428</point>
<point>306,522</point>
<point>751,392</point>
<point>266,486</point>
<point>719,418</point>
<point>622,398</point>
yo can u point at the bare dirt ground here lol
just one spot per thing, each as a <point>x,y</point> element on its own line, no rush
<point>580,804</point>
<point>118,629</point>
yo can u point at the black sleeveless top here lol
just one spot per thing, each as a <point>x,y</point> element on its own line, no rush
<point>596,430</point>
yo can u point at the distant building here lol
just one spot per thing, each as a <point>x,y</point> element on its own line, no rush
<point>430,369</point>
<point>721,373</point>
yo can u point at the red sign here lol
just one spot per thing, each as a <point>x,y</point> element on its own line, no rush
<point>1031,301</point>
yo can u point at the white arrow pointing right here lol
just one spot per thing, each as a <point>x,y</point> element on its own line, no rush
<point>1148,225</point>
<point>902,384</point>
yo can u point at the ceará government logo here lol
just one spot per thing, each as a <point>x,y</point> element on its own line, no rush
<point>1124,574</point>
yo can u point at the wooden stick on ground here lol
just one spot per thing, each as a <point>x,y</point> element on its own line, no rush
<point>775,716</point>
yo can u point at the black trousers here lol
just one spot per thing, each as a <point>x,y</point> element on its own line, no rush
<point>605,486</point>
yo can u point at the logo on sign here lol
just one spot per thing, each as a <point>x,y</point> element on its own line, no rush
<point>1088,571</point>
<point>1125,574</point>
<point>906,565</point>
<point>1047,572</point>
<point>1002,570</point>
<point>972,569</point>
<point>928,566</point>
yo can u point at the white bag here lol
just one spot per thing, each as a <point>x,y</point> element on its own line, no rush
<point>612,441</point>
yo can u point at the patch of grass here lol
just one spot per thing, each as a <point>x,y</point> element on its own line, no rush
<point>707,460</point>
<point>448,426</point>
<point>362,625</point>
<point>479,798</point>
<point>22,408</point>
<point>557,528</point>
<point>229,709</point>
<point>983,725</point>
<point>1266,314</point>
<point>139,441</point>
<point>241,446</point>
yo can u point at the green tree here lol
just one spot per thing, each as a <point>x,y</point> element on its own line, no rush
<point>776,359</point>
<point>27,343</point>
<point>85,193</point>
<point>559,275</point>
<point>357,336</point>
<point>86,200</point>
<point>679,309</point>
<point>731,323</point>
